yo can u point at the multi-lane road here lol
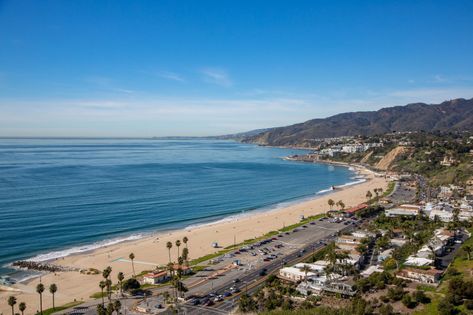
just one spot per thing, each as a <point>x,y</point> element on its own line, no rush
<point>290,247</point>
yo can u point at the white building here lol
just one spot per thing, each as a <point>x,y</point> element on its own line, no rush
<point>403,210</point>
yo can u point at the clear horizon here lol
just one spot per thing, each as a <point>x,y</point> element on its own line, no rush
<point>146,69</point>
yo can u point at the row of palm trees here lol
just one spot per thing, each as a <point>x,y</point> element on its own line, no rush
<point>377,192</point>
<point>185,251</point>
<point>39,289</point>
<point>339,203</point>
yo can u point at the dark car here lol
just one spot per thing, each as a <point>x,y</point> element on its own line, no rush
<point>236,280</point>
<point>227,294</point>
<point>263,272</point>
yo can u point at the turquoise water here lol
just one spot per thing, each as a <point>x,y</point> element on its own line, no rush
<point>58,197</point>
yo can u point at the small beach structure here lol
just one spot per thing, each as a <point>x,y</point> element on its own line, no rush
<point>353,210</point>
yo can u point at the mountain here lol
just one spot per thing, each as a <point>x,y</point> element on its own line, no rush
<point>453,115</point>
<point>244,135</point>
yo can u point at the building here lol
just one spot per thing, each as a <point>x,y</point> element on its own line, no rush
<point>353,210</point>
<point>385,255</point>
<point>403,210</point>
<point>429,276</point>
<point>294,274</point>
<point>323,284</point>
<point>155,277</point>
<point>442,215</point>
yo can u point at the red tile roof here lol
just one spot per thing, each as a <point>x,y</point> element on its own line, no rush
<point>357,208</point>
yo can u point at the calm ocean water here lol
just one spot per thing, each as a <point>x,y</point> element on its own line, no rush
<point>65,196</point>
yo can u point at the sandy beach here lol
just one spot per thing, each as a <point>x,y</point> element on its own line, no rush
<point>151,251</point>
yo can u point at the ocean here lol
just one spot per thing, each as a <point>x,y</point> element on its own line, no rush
<point>64,196</point>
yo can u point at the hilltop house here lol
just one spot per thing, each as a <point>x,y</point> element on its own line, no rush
<point>429,276</point>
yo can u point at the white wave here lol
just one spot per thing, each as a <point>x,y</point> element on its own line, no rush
<point>81,249</point>
<point>352,183</point>
<point>323,191</point>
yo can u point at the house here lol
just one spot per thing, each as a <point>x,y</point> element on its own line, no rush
<point>403,210</point>
<point>398,242</point>
<point>334,283</point>
<point>385,255</point>
<point>429,276</point>
<point>155,277</point>
<point>442,215</point>
<point>294,274</point>
<point>418,261</point>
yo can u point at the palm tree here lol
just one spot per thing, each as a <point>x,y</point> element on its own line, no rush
<point>106,272</point>
<point>121,277</point>
<point>108,283</point>
<point>185,255</point>
<point>341,204</point>
<point>185,240</point>
<point>22,307</point>
<point>102,286</point>
<point>53,290</point>
<point>117,305</point>
<point>369,195</point>
<point>40,290</point>
<point>12,302</point>
<point>132,257</point>
<point>169,246</point>
<point>178,244</point>
<point>468,249</point>
<point>331,203</point>
<point>110,309</point>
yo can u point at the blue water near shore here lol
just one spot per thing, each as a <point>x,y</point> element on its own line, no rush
<point>58,197</point>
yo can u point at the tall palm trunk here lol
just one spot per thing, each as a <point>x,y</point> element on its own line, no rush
<point>41,303</point>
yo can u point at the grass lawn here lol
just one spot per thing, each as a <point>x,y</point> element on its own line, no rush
<point>61,308</point>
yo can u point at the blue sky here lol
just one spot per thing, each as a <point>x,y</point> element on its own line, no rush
<point>159,68</point>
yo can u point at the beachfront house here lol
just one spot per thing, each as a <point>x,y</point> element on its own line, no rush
<point>155,277</point>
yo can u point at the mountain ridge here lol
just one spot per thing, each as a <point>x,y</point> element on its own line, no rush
<point>452,115</point>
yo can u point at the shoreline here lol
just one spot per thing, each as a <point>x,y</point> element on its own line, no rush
<point>150,250</point>
<point>90,248</point>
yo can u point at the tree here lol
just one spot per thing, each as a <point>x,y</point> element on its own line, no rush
<point>117,305</point>
<point>468,249</point>
<point>53,290</point>
<point>121,277</point>
<point>131,284</point>
<point>106,272</point>
<point>369,195</point>
<point>102,286</point>
<point>169,246</point>
<point>108,284</point>
<point>376,192</point>
<point>178,244</point>
<point>12,302</point>
<point>331,203</point>
<point>110,309</point>
<point>185,255</point>
<point>40,290</point>
<point>101,310</point>
<point>132,258</point>
<point>341,204</point>
<point>185,240</point>
<point>22,307</point>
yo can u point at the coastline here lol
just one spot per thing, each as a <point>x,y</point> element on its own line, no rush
<point>150,250</point>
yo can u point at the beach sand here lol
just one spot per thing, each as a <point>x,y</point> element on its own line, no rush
<point>151,251</point>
